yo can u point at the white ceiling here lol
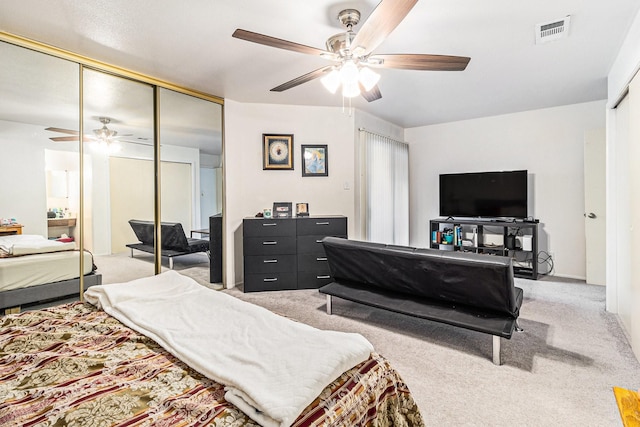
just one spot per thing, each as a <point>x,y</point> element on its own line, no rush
<point>190,43</point>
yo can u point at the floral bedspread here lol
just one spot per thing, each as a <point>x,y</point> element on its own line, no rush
<point>74,365</point>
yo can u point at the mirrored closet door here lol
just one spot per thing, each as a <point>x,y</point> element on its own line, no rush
<point>40,172</point>
<point>149,150</point>
<point>118,168</point>
<point>191,184</point>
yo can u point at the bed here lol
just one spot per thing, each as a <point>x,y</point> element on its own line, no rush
<point>33,268</point>
<point>77,364</point>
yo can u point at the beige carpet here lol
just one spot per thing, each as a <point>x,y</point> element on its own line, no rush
<point>122,267</point>
<point>558,372</point>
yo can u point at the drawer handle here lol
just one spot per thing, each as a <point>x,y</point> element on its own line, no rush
<point>323,277</point>
<point>270,261</point>
<point>272,279</point>
<point>322,223</point>
<point>269,224</point>
<point>321,259</point>
<point>271,242</point>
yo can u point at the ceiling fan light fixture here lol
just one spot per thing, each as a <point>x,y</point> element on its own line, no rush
<point>350,78</point>
<point>331,81</point>
<point>368,78</point>
<point>350,89</point>
<point>349,72</point>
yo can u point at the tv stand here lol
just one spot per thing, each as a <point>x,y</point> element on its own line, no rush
<point>515,239</point>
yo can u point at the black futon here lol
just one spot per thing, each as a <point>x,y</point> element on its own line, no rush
<point>468,290</point>
<point>174,241</point>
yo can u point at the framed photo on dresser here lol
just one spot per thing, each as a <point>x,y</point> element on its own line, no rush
<point>282,210</point>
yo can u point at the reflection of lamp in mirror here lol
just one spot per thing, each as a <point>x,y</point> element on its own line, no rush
<point>104,138</point>
<point>106,146</point>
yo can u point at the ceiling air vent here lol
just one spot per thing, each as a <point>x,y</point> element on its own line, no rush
<point>550,31</point>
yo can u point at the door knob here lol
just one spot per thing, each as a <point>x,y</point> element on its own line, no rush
<point>590,215</point>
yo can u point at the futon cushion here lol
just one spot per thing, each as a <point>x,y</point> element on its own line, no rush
<point>172,235</point>
<point>480,281</point>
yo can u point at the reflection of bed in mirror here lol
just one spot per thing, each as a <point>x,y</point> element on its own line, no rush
<point>34,269</point>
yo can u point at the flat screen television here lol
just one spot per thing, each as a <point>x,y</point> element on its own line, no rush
<point>484,194</point>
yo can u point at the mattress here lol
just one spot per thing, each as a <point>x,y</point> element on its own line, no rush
<point>76,365</point>
<point>37,269</point>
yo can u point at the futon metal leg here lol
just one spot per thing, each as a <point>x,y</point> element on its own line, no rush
<point>131,252</point>
<point>328,304</point>
<point>518,328</point>
<point>496,350</point>
<point>170,263</point>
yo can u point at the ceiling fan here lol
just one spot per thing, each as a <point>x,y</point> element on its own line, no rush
<point>105,138</point>
<point>353,52</point>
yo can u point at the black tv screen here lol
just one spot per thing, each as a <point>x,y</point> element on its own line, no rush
<point>484,194</point>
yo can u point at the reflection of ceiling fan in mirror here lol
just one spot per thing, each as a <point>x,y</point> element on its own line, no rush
<point>104,139</point>
<point>352,52</point>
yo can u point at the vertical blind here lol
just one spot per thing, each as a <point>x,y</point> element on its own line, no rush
<point>386,189</point>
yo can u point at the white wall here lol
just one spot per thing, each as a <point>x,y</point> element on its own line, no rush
<point>548,143</point>
<point>249,189</point>
<point>23,192</point>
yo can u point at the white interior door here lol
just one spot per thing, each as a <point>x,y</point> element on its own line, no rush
<point>132,196</point>
<point>208,196</point>
<point>595,205</point>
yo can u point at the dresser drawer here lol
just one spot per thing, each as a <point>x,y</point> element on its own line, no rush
<point>312,244</point>
<point>268,227</point>
<point>270,282</point>
<point>311,280</point>
<point>269,245</point>
<point>316,263</point>
<point>269,263</point>
<point>330,226</point>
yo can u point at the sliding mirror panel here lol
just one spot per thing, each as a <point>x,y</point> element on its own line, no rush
<point>191,185</point>
<point>39,192</point>
<point>118,118</point>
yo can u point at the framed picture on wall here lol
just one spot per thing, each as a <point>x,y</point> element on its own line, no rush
<point>277,151</point>
<point>314,160</point>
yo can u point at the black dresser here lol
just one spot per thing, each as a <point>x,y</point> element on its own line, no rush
<point>287,253</point>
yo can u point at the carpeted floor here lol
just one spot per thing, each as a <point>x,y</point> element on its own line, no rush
<point>558,372</point>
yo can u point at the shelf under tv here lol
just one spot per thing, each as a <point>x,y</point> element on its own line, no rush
<point>480,230</point>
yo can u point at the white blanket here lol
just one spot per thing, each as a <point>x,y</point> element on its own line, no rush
<point>27,244</point>
<point>272,367</point>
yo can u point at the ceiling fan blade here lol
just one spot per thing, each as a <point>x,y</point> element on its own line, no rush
<point>373,94</point>
<point>69,139</point>
<point>382,21</point>
<point>422,62</point>
<point>64,138</point>
<point>69,131</point>
<point>281,44</point>
<point>302,79</point>
<point>145,143</point>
